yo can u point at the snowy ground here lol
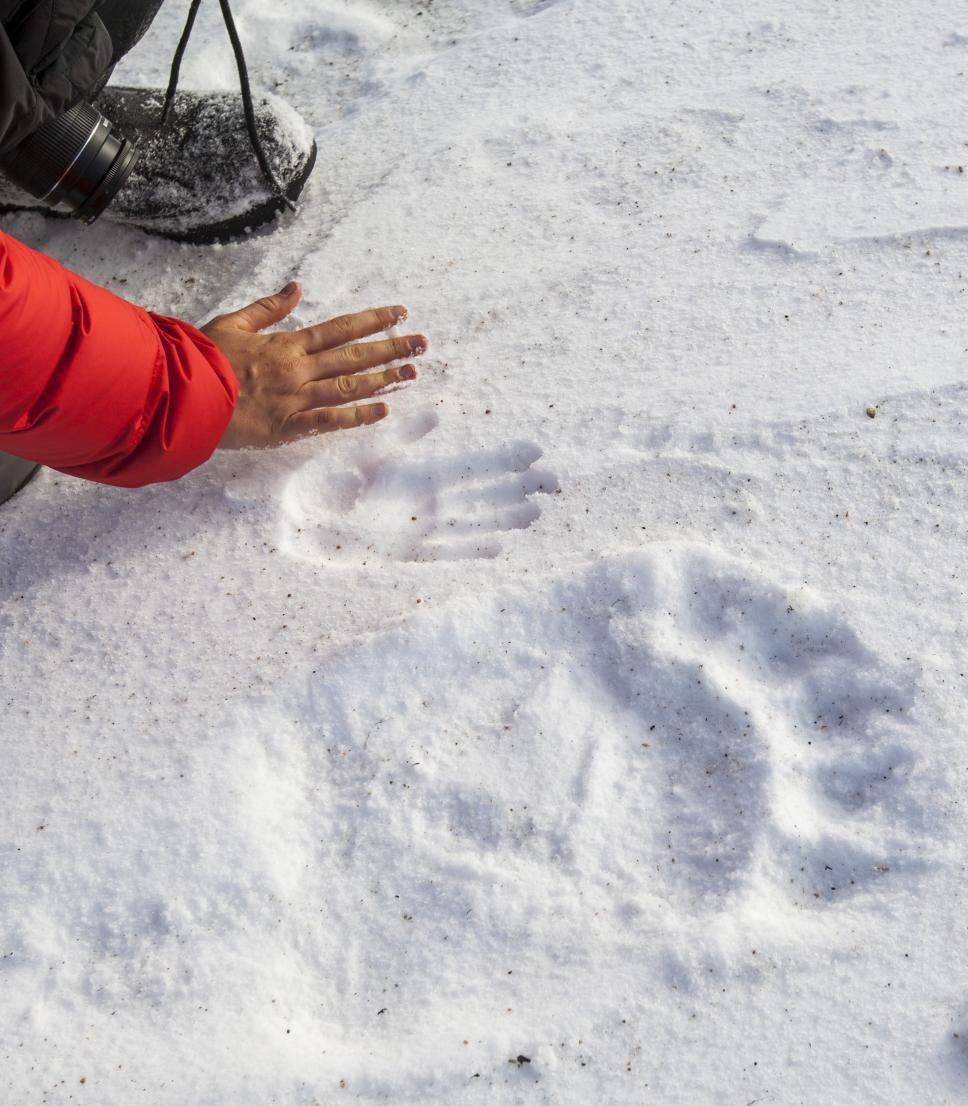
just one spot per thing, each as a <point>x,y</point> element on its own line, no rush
<point>605,707</point>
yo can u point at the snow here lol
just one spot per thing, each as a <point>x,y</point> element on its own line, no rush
<point>605,706</point>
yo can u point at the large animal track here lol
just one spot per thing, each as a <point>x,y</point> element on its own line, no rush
<point>399,504</point>
<point>664,726</point>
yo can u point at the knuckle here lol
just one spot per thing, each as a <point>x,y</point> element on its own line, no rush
<point>267,303</point>
<point>325,420</point>
<point>343,324</point>
<point>347,385</point>
<point>283,345</point>
<point>282,352</point>
<point>354,354</point>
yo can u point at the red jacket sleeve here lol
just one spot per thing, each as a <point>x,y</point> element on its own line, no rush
<point>99,388</point>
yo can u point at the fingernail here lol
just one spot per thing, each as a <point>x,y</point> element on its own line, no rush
<point>408,372</point>
<point>380,411</point>
<point>418,344</point>
<point>398,314</point>
<point>290,289</point>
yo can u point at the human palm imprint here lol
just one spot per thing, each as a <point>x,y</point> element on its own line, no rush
<point>660,727</point>
<point>388,504</point>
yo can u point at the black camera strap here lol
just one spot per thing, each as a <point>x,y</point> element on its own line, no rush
<point>246,88</point>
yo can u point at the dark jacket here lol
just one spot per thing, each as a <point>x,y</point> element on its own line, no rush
<point>53,53</point>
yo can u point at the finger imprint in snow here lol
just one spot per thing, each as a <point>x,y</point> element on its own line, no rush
<point>527,8</point>
<point>392,504</point>
<point>662,726</point>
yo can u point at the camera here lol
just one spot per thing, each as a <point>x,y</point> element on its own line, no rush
<point>76,159</point>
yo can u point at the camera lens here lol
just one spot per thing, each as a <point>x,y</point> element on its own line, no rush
<point>76,159</point>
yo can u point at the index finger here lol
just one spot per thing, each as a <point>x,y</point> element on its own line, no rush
<point>350,328</point>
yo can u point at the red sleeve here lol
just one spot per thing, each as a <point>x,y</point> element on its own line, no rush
<point>99,388</point>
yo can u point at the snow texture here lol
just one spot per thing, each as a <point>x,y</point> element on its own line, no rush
<point>592,730</point>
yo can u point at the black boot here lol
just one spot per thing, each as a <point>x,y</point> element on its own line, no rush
<point>209,166</point>
<point>197,177</point>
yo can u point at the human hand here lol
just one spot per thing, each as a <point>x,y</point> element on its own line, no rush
<point>295,383</point>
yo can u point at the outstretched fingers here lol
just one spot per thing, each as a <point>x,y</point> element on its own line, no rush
<point>309,381</point>
<point>350,328</point>
<point>350,387</point>
<point>323,398</point>
<point>366,355</point>
<point>267,311</point>
<point>321,420</point>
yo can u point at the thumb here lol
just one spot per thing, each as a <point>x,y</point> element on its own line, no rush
<point>267,311</point>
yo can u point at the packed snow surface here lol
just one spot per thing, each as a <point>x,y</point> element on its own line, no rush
<point>594,729</point>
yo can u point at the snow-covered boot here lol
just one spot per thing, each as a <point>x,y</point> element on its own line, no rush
<point>197,167</point>
<point>198,176</point>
